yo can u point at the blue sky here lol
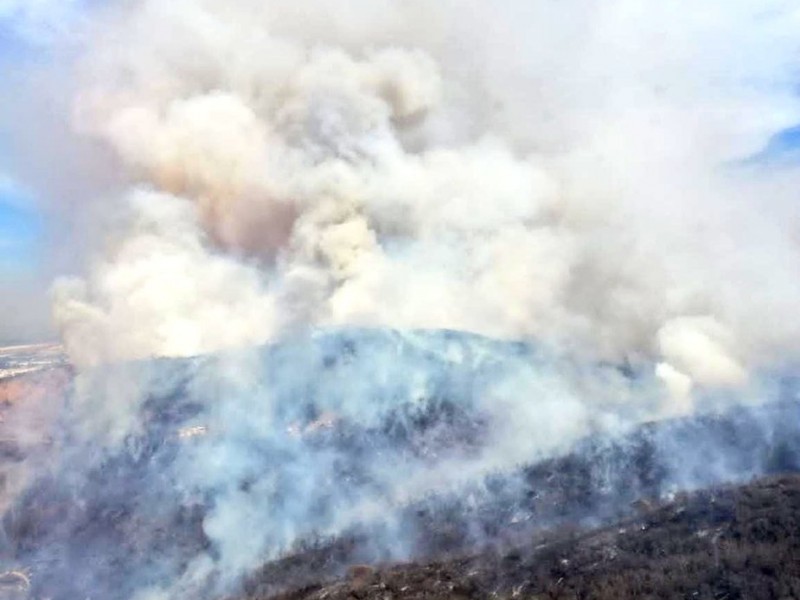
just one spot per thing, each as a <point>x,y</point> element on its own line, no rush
<point>26,26</point>
<point>20,232</point>
<point>783,146</point>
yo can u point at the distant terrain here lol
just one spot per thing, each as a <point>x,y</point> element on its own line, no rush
<point>29,358</point>
<point>28,372</point>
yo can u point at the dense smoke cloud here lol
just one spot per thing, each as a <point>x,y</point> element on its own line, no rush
<point>565,173</point>
<point>572,174</point>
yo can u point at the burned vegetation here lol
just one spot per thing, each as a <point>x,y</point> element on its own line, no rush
<point>727,542</point>
<point>611,518</point>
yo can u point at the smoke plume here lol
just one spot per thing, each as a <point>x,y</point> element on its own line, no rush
<point>566,174</point>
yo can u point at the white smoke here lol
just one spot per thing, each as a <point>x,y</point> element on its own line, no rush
<point>159,287</point>
<point>529,171</point>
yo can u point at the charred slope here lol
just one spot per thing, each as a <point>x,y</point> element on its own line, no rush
<point>129,516</point>
<point>730,542</point>
<point>602,481</point>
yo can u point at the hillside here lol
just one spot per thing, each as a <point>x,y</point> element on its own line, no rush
<point>721,543</point>
<point>110,522</point>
